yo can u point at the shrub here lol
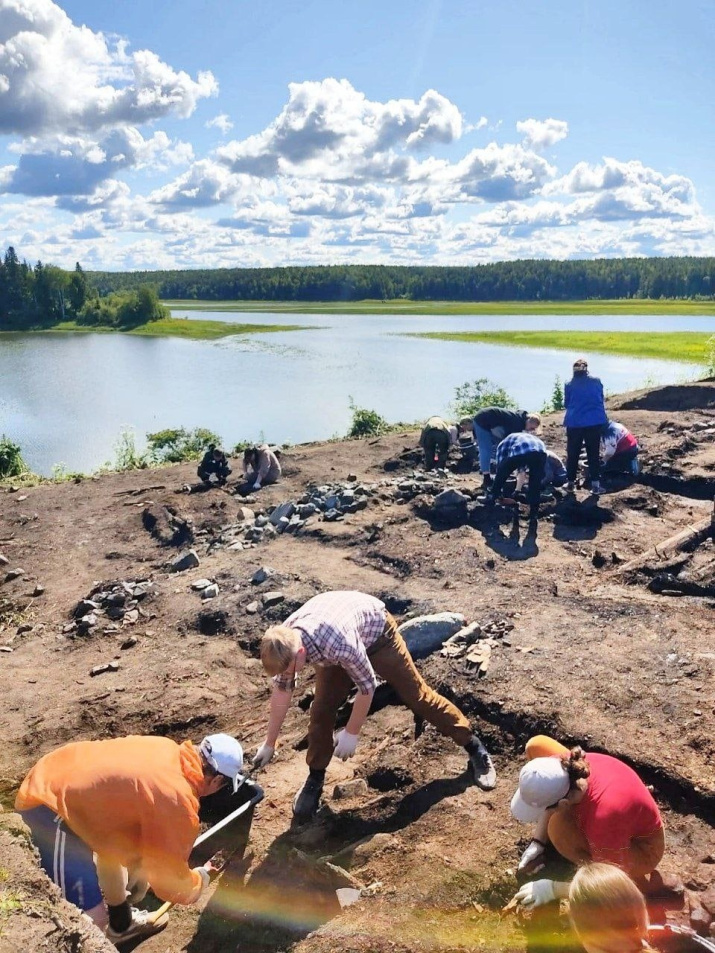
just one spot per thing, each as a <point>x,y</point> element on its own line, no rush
<point>126,455</point>
<point>366,423</point>
<point>473,395</point>
<point>11,462</point>
<point>556,401</point>
<point>178,444</point>
<point>710,355</point>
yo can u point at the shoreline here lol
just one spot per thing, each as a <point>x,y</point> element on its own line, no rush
<point>170,327</point>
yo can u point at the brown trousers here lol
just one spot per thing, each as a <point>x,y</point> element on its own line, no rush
<point>640,858</point>
<point>392,661</point>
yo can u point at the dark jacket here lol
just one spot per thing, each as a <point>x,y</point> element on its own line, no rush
<point>512,421</point>
<point>584,402</point>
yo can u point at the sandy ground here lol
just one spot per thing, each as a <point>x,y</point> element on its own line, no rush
<point>596,655</point>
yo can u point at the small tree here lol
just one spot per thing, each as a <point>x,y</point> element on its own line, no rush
<point>556,401</point>
<point>473,395</point>
<point>366,423</point>
<point>710,355</point>
<point>11,462</point>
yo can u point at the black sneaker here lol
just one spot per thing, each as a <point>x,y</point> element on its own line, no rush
<point>482,769</point>
<point>307,800</point>
<point>143,925</point>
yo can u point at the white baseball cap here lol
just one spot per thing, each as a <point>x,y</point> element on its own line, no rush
<point>542,783</point>
<point>225,755</point>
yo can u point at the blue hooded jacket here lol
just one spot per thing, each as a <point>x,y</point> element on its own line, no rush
<point>583,399</point>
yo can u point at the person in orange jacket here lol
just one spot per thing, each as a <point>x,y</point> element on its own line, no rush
<point>133,803</point>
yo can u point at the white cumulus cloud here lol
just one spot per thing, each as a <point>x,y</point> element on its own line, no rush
<point>542,133</point>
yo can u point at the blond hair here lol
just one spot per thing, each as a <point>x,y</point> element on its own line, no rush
<point>279,646</point>
<point>534,419</point>
<point>605,903</point>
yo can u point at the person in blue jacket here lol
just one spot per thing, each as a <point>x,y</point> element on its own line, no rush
<point>584,420</point>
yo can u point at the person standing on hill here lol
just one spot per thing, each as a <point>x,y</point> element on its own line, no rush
<point>435,440</point>
<point>351,639</point>
<point>584,419</point>
<point>491,425</point>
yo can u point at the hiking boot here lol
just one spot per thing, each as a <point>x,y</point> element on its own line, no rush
<point>481,767</point>
<point>142,926</point>
<point>307,800</point>
<point>596,489</point>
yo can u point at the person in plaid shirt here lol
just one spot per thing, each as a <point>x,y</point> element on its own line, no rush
<point>520,451</point>
<point>351,639</point>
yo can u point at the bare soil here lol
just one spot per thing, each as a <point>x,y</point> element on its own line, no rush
<point>596,656</point>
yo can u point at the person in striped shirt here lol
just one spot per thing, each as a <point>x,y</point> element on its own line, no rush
<point>351,639</point>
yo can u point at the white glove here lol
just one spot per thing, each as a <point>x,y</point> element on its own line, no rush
<point>532,853</point>
<point>205,881</point>
<point>345,745</point>
<point>263,755</point>
<point>257,485</point>
<point>535,894</point>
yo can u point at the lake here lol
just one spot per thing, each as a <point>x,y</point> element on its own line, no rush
<point>65,397</point>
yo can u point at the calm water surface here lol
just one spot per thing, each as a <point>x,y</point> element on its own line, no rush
<point>65,398</point>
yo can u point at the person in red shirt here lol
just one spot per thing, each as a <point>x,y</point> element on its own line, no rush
<point>590,807</point>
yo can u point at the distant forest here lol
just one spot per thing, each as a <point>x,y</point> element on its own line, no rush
<point>527,280</point>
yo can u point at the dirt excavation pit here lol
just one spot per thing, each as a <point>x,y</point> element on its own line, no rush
<point>131,606</point>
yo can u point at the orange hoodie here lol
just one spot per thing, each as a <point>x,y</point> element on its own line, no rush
<point>132,800</point>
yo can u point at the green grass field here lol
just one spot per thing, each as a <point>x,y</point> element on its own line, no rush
<point>400,306</point>
<point>689,346</point>
<point>185,328</point>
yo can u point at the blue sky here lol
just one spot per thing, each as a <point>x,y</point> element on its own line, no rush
<point>198,133</point>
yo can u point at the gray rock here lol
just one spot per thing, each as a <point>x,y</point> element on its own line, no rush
<point>116,598</point>
<point>14,574</point>
<point>210,592</point>
<point>245,513</point>
<point>306,510</point>
<point>331,515</point>
<point>260,575</point>
<point>184,561</point>
<point>25,627</point>
<point>332,502</point>
<point>426,633</point>
<point>357,787</point>
<point>129,643</point>
<point>283,524</point>
<point>262,520</point>
<point>86,622</point>
<point>4,561</point>
<point>347,498</point>
<point>352,478</point>
<point>234,547</point>
<point>256,534</point>
<point>451,501</point>
<point>283,510</point>
<point>38,590</point>
<point>272,598</point>
<point>252,608</point>
<point>107,667</point>
<point>131,617</point>
<point>199,584</point>
<point>115,612</point>
<point>6,648</point>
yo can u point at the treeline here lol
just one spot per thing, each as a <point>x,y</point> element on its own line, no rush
<point>42,296</point>
<point>526,280</point>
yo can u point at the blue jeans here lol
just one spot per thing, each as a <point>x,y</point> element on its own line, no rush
<point>65,858</point>
<point>487,443</point>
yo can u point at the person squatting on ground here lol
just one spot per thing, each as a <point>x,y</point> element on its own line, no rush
<point>351,639</point>
<point>619,450</point>
<point>554,473</point>
<point>607,911</point>
<point>590,807</point>
<point>214,462</point>
<point>584,419</point>
<point>261,466</point>
<point>134,802</point>
<point>520,451</point>
<point>435,440</point>
<point>491,425</point>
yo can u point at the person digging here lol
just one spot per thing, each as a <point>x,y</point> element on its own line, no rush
<point>134,803</point>
<point>351,638</point>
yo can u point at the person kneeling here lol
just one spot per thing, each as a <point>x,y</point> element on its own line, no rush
<point>261,466</point>
<point>214,463</point>
<point>619,450</point>
<point>133,802</point>
<point>351,639</point>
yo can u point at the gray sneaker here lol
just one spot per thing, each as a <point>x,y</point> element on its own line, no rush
<point>482,769</point>
<point>143,925</point>
<point>307,800</point>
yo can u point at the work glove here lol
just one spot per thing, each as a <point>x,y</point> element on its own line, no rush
<point>205,881</point>
<point>345,745</point>
<point>263,755</point>
<point>533,856</point>
<point>535,894</point>
<point>257,485</point>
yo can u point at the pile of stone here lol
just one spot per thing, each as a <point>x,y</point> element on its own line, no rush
<point>109,604</point>
<point>475,642</point>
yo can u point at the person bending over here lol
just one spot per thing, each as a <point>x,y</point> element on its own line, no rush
<point>351,639</point>
<point>554,473</point>
<point>134,803</point>
<point>590,807</point>
<point>619,450</point>
<point>214,462</point>
<point>435,440</point>
<point>491,425</point>
<point>261,466</point>
<point>520,451</point>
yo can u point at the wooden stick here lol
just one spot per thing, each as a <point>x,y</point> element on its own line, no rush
<point>692,535</point>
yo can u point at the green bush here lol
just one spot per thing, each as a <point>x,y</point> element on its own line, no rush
<point>710,356</point>
<point>473,395</point>
<point>126,455</point>
<point>366,423</point>
<point>177,445</point>
<point>556,401</point>
<point>11,462</point>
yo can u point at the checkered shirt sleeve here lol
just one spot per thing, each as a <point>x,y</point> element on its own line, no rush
<point>516,444</point>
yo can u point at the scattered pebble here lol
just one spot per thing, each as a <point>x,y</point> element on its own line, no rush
<point>107,667</point>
